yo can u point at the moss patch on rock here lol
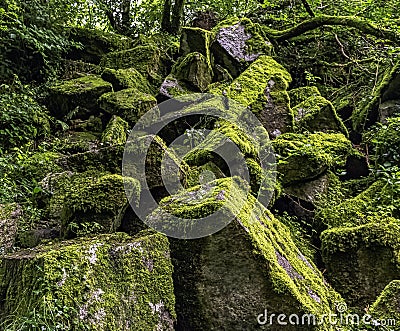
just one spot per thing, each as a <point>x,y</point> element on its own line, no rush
<point>115,132</point>
<point>109,282</point>
<point>65,96</point>
<point>388,303</point>
<point>94,201</point>
<point>147,59</point>
<point>127,78</point>
<point>129,104</point>
<point>316,114</point>
<point>301,94</point>
<point>303,157</point>
<point>262,87</point>
<point>9,215</point>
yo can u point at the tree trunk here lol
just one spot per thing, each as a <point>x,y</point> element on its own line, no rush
<point>125,16</point>
<point>166,17</point>
<point>177,14</point>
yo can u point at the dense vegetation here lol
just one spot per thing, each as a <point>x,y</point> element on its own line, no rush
<point>323,78</point>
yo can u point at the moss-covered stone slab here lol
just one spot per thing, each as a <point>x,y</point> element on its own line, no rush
<point>301,94</point>
<point>387,306</point>
<point>115,132</point>
<point>237,43</point>
<point>129,104</point>
<point>73,142</point>
<point>262,87</point>
<point>109,282</point>
<point>302,157</point>
<point>225,280</point>
<point>147,59</point>
<point>195,70</point>
<point>65,96</point>
<point>316,114</point>
<point>96,43</point>
<point>9,216</point>
<point>127,78</point>
<point>94,203</point>
<point>362,260</point>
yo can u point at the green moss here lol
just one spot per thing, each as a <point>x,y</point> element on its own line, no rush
<point>96,43</point>
<point>306,156</point>
<point>381,198</point>
<point>262,88</point>
<point>115,132</point>
<point>83,92</point>
<point>301,94</point>
<point>147,59</point>
<point>77,142</point>
<point>94,204</point>
<point>388,303</point>
<point>252,83</point>
<point>37,166</point>
<point>127,78</point>
<point>110,282</point>
<point>157,151</point>
<point>257,237</point>
<point>318,114</point>
<point>195,70</point>
<point>237,43</point>
<point>129,104</point>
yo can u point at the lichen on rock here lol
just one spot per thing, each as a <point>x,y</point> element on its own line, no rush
<point>110,282</point>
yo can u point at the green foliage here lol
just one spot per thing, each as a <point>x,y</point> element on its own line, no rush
<point>22,119</point>
<point>32,40</point>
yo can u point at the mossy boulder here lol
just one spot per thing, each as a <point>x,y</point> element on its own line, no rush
<point>129,104</point>
<point>301,94</point>
<point>302,157</point>
<point>362,260</point>
<point>388,303</point>
<point>9,216</point>
<point>115,132</point>
<point>109,282</point>
<point>380,197</point>
<point>316,114</point>
<point>96,43</point>
<point>94,204</point>
<point>197,40</point>
<point>195,70</point>
<point>147,59</point>
<point>82,92</point>
<point>93,124</point>
<point>225,280</point>
<point>127,78</point>
<point>73,142</point>
<point>237,43</point>
<point>262,87</point>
